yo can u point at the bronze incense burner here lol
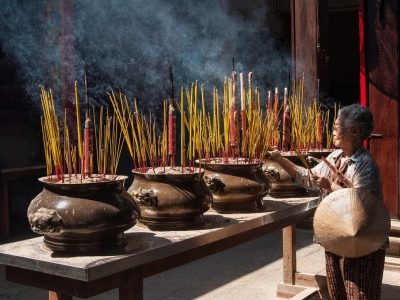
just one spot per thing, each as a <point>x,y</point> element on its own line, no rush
<point>171,201</point>
<point>237,187</point>
<point>282,183</point>
<point>83,217</point>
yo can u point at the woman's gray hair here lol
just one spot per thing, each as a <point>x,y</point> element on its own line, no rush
<point>356,115</point>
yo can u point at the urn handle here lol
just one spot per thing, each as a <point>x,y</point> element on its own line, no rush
<point>214,183</point>
<point>272,173</point>
<point>145,197</point>
<point>45,220</point>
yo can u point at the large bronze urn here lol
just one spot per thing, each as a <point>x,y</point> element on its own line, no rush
<point>282,184</point>
<point>83,216</point>
<point>238,186</point>
<point>171,201</point>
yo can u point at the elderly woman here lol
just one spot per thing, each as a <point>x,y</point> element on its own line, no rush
<point>348,278</point>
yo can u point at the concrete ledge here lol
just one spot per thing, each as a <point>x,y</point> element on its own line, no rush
<point>287,291</point>
<point>395,228</point>
<point>307,293</point>
<point>392,263</point>
<point>303,281</point>
<point>297,292</point>
<point>394,239</point>
<point>394,246</point>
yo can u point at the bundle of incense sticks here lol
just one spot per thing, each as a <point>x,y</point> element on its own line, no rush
<point>204,135</point>
<point>301,119</point>
<point>306,125</point>
<point>338,174</point>
<point>193,123</point>
<point>258,129</point>
<point>109,142</point>
<point>63,155</point>
<point>140,132</point>
<point>224,132</point>
<point>51,135</point>
<point>329,124</point>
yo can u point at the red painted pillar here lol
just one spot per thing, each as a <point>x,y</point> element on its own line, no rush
<point>362,43</point>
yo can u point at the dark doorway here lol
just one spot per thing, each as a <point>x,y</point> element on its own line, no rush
<point>344,57</point>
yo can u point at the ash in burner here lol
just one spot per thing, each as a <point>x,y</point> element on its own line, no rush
<point>172,170</point>
<point>232,161</point>
<point>79,179</point>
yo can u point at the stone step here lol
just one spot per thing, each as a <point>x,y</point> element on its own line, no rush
<point>394,246</point>
<point>392,263</point>
<point>395,228</point>
<point>307,293</point>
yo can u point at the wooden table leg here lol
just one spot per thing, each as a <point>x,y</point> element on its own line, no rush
<point>289,254</point>
<point>58,296</point>
<point>4,219</point>
<point>134,289</point>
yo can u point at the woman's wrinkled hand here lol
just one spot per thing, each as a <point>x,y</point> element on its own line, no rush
<point>273,153</point>
<point>321,181</point>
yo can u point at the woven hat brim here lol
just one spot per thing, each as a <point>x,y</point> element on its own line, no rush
<point>351,223</point>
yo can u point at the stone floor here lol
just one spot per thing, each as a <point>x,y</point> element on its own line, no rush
<point>248,271</point>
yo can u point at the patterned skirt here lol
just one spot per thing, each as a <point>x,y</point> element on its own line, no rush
<point>355,278</point>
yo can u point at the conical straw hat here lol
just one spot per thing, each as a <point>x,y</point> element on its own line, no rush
<point>351,223</point>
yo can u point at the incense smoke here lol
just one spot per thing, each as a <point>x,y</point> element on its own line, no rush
<point>130,45</point>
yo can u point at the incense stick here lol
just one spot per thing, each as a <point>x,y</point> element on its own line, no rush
<point>338,174</point>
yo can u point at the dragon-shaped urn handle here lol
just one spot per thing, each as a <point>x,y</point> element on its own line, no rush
<point>272,173</point>
<point>214,183</point>
<point>145,197</point>
<point>45,220</point>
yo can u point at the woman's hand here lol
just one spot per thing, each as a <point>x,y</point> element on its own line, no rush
<point>274,154</point>
<point>321,181</point>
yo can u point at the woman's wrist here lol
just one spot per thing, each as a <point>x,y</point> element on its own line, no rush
<point>334,187</point>
<point>279,158</point>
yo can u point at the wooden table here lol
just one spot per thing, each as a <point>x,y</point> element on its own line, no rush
<point>7,175</point>
<point>147,253</point>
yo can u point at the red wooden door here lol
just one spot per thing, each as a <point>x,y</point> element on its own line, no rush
<point>379,84</point>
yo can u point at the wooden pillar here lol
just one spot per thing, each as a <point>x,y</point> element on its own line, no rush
<point>304,45</point>
<point>4,220</point>
<point>134,289</point>
<point>322,48</point>
<point>289,254</point>
<point>58,296</point>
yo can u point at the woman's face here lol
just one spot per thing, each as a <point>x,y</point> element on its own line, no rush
<point>342,136</point>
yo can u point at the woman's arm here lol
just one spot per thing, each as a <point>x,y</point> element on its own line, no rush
<point>289,167</point>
